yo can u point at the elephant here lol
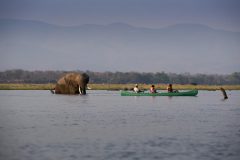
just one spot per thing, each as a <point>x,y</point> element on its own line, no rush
<point>72,83</point>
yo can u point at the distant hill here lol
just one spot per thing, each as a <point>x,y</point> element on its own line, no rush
<point>180,48</point>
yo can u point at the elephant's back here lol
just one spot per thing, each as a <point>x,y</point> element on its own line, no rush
<point>61,81</point>
<point>74,77</point>
<point>69,76</point>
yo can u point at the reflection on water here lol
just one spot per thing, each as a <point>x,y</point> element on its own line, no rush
<point>36,125</point>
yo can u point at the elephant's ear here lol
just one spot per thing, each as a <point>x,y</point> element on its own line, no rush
<point>71,83</point>
<point>68,82</point>
<point>65,79</point>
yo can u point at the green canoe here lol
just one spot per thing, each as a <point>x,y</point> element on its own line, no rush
<point>185,93</point>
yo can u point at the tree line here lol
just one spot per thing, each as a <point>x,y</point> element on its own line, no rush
<point>23,76</point>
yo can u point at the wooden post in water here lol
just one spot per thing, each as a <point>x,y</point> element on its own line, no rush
<point>224,93</point>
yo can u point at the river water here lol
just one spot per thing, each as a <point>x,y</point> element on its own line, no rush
<point>38,125</point>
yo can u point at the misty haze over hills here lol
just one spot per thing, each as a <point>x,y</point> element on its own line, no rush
<point>194,48</point>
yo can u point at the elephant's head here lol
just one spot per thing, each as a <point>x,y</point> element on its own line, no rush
<point>82,80</point>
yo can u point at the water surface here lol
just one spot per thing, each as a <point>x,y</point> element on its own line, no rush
<point>37,125</point>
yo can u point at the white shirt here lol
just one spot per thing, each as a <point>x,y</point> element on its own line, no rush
<point>135,89</point>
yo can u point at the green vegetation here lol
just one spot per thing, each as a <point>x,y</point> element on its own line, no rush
<point>162,87</point>
<point>43,77</point>
<point>11,86</point>
<point>15,86</point>
<point>45,80</point>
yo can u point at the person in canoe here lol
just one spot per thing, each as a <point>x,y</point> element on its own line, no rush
<point>152,89</point>
<point>136,89</point>
<point>170,89</point>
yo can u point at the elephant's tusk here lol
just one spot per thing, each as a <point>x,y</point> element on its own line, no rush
<point>88,87</point>
<point>80,91</point>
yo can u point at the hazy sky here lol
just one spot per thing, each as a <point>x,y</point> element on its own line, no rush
<point>223,14</point>
<point>17,52</point>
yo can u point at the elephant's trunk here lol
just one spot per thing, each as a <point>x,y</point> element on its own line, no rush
<point>84,91</point>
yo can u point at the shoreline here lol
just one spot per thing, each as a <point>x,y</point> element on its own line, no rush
<point>49,86</point>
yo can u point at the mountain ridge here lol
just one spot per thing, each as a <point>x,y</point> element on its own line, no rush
<point>179,48</point>
<point>114,24</point>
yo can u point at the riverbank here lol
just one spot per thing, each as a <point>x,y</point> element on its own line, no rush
<point>49,86</point>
